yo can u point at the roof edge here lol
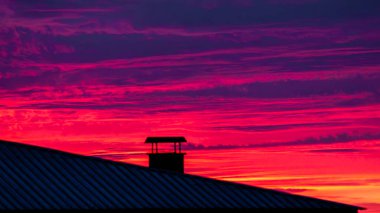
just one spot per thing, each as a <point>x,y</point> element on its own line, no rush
<point>46,149</point>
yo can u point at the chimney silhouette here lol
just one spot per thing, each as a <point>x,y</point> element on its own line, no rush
<point>167,160</point>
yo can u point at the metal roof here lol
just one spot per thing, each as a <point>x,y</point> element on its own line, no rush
<point>35,178</point>
<point>165,140</point>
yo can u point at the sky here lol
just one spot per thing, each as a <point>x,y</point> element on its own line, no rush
<point>283,94</point>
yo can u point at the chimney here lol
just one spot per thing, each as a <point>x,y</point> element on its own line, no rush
<point>166,160</point>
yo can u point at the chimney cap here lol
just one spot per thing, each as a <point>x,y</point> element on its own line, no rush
<point>176,139</point>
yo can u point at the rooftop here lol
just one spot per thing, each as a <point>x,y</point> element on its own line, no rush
<point>45,179</point>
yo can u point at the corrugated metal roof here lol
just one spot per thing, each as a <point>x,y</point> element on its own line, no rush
<point>35,178</point>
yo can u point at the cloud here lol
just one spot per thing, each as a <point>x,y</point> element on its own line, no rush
<point>264,128</point>
<point>294,190</point>
<point>336,150</point>
<point>340,138</point>
<point>194,14</point>
<point>289,89</point>
<point>311,141</point>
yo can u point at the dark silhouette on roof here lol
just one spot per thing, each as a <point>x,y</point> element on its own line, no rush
<point>172,161</point>
<point>35,178</point>
<point>177,139</point>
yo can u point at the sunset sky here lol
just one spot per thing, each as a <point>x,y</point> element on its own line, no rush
<point>283,94</point>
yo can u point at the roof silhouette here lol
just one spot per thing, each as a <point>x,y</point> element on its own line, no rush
<point>36,178</point>
<point>178,139</point>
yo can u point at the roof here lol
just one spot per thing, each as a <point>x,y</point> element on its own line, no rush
<point>165,139</point>
<point>39,178</point>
